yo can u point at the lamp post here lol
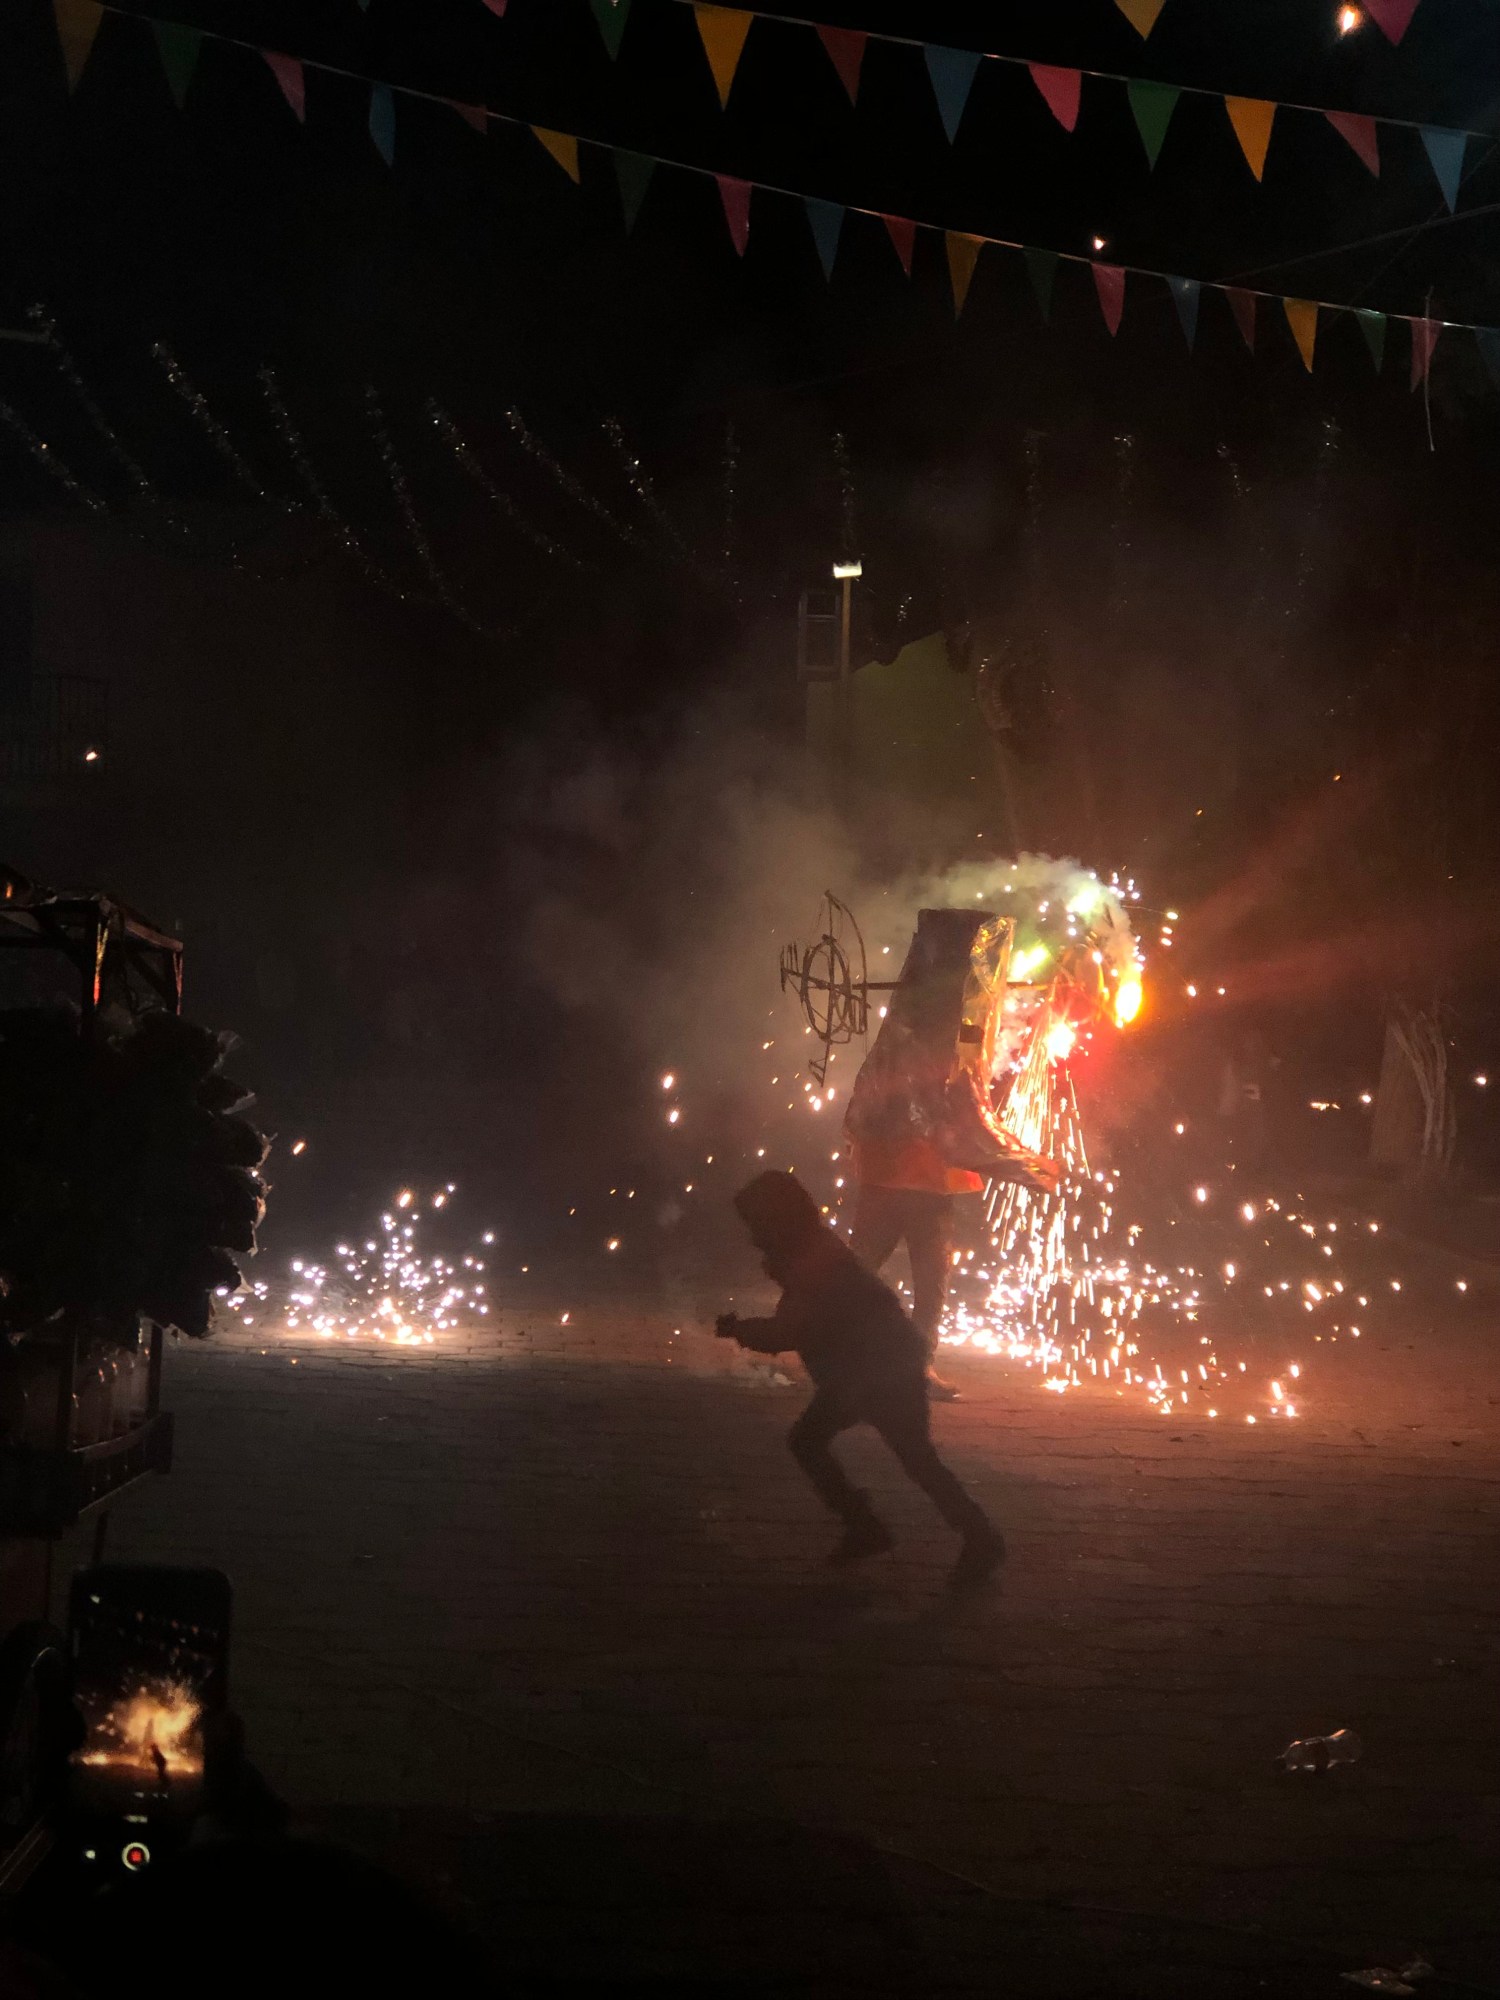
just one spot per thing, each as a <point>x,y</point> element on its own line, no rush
<point>846,574</point>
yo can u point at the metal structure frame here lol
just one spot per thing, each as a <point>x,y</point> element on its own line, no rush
<point>102,938</point>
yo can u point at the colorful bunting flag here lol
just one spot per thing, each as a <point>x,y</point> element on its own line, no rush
<point>903,233</point>
<point>178,48</point>
<point>472,114</point>
<point>1372,326</point>
<point>1487,339</point>
<point>1141,14</point>
<point>723,31</point>
<point>735,195</point>
<point>1109,282</point>
<point>1424,338</point>
<point>826,220</point>
<point>1060,89</point>
<point>1152,105</point>
<point>952,72</point>
<point>1392,17</point>
<point>562,146</point>
<point>963,255</point>
<point>1302,318</point>
<point>77,24</point>
<point>611,16</point>
<point>1446,152</point>
<point>1185,296</point>
<point>633,171</point>
<point>1242,305</point>
<point>846,51</point>
<point>1252,118</point>
<point>288,72</point>
<point>383,121</point>
<point>1041,268</point>
<point>496,7</point>
<point>1362,133</point>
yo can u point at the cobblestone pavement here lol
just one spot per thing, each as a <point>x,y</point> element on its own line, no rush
<point>572,1582</point>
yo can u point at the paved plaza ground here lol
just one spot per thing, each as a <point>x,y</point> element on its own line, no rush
<point>543,1620</point>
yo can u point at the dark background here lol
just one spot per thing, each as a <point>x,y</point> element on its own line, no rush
<point>1247,613</point>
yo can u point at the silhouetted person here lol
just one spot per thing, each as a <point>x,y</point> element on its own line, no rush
<point>867,1362</point>
<point>904,1194</point>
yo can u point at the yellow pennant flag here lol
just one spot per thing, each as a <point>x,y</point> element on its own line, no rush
<point>1251,118</point>
<point>562,146</point>
<point>77,24</point>
<point>1141,14</point>
<point>963,255</point>
<point>1302,318</point>
<point>723,30</point>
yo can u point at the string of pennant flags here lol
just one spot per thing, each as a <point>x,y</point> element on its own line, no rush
<point>179,48</point>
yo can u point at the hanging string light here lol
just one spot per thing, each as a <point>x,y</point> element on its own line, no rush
<point>731,464</point>
<point>102,427</point>
<point>206,421</point>
<point>564,480</point>
<point>48,459</point>
<point>449,432</point>
<point>401,491</point>
<point>644,491</point>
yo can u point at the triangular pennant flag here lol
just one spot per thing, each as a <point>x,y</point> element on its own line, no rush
<point>1446,152</point>
<point>826,219</point>
<point>1141,14</point>
<point>1109,282</point>
<point>1392,17</point>
<point>735,196</point>
<point>1152,105</point>
<point>846,51</point>
<point>1424,338</point>
<point>1041,268</point>
<point>1242,305</point>
<point>1060,88</point>
<point>723,30</point>
<point>633,171</point>
<point>1252,118</point>
<point>952,72</point>
<point>611,16</point>
<point>1372,326</point>
<point>472,114</point>
<point>178,48</point>
<point>1487,339</point>
<point>77,24</point>
<point>903,233</point>
<point>1362,133</point>
<point>288,72</point>
<point>1185,295</point>
<point>496,7</point>
<point>383,121</point>
<point>562,146</point>
<point>963,255</point>
<point>1302,318</point>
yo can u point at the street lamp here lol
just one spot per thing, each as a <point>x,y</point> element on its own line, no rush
<point>846,573</point>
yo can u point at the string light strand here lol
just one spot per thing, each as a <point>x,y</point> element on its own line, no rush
<point>463,453</point>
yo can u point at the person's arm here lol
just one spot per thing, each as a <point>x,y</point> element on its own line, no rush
<point>777,1335</point>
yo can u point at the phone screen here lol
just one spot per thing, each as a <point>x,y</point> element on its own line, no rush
<point>150,1650</point>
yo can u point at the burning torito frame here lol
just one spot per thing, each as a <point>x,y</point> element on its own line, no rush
<point>972,1057</point>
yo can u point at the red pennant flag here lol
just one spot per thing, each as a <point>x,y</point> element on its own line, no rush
<point>1242,305</point>
<point>1392,17</point>
<point>735,196</point>
<point>496,7</point>
<point>846,51</point>
<point>1060,88</point>
<point>903,234</point>
<point>287,71</point>
<point>1109,282</point>
<point>471,114</point>
<point>1424,338</point>
<point>1362,133</point>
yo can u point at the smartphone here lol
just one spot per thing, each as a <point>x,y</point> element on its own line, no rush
<point>150,1654</point>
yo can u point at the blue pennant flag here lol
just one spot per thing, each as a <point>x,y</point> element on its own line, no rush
<point>383,121</point>
<point>952,72</point>
<point>827,220</point>
<point>1185,292</point>
<point>1446,152</point>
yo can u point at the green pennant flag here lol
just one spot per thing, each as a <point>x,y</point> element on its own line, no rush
<point>1041,268</point>
<point>1152,105</point>
<point>633,171</point>
<point>1372,326</point>
<point>178,48</point>
<point>611,16</point>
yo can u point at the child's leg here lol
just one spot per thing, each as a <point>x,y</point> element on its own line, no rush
<point>809,1439</point>
<point>903,1420</point>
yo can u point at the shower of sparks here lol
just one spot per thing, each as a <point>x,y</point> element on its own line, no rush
<point>385,1286</point>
